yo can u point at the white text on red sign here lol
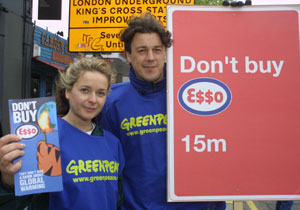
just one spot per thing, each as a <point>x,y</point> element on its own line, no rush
<point>203,144</point>
<point>188,64</point>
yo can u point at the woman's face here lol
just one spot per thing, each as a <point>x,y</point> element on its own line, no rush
<point>88,96</point>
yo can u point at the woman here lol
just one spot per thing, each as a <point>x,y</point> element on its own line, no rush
<point>81,94</point>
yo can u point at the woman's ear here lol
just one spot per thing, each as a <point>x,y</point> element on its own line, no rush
<point>67,94</point>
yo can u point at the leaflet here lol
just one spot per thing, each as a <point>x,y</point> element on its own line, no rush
<point>35,121</point>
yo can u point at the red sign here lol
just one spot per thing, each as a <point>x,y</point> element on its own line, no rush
<point>233,103</point>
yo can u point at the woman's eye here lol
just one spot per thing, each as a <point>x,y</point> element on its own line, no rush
<point>84,90</point>
<point>101,93</point>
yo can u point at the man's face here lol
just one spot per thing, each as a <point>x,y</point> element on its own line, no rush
<point>147,56</point>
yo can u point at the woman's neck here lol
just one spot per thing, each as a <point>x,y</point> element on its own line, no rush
<point>78,123</point>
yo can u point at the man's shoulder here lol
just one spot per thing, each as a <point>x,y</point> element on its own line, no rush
<point>120,85</point>
<point>119,89</point>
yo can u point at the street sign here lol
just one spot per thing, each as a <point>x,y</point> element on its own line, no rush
<point>233,104</point>
<point>92,18</point>
<point>93,39</point>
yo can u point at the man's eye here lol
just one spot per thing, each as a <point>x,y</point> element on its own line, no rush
<point>158,50</point>
<point>141,51</point>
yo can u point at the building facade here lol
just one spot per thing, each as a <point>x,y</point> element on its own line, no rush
<point>50,54</point>
<point>16,34</point>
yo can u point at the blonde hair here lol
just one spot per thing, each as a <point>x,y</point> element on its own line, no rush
<point>70,75</point>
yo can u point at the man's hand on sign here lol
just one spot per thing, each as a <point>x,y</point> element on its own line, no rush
<point>236,3</point>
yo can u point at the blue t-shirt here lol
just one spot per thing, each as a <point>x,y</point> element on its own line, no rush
<point>91,166</point>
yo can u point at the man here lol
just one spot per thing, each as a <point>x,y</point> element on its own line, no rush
<point>136,112</point>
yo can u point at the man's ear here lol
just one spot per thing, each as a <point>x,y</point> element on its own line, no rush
<point>127,55</point>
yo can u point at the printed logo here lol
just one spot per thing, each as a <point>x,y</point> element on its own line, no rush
<point>27,131</point>
<point>204,96</point>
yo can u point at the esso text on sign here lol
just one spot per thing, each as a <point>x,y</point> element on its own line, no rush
<point>204,96</point>
<point>27,131</point>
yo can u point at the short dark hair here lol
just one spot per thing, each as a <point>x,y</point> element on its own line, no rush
<point>146,23</point>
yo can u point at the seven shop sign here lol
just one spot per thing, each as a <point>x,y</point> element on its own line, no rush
<point>105,18</point>
<point>233,110</point>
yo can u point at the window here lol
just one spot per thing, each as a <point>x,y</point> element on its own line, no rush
<point>35,85</point>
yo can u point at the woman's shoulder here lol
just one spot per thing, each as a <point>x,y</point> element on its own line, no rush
<point>110,136</point>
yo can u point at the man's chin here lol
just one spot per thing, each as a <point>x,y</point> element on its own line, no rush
<point>153,79</point>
